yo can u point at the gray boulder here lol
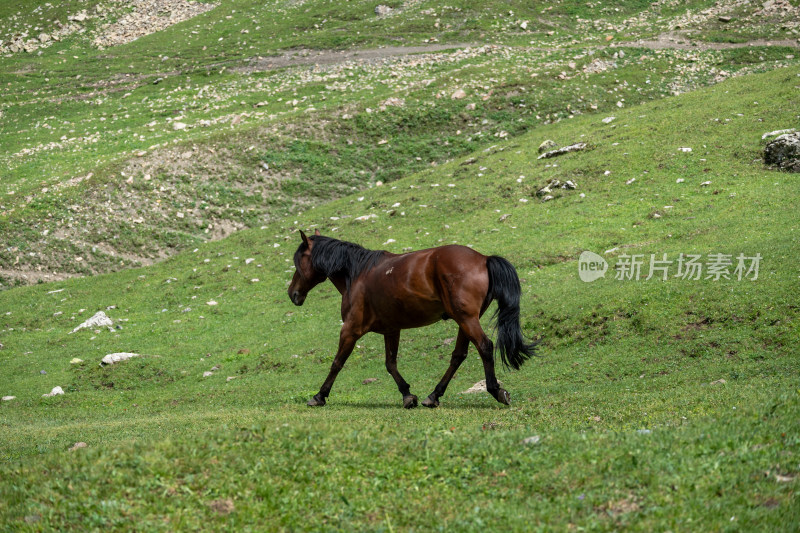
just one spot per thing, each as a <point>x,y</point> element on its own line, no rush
<point>784,152</point>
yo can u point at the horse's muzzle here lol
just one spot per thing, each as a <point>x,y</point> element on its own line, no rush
<point>297,298</point>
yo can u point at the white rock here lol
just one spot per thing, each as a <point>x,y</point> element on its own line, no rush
<point>207,373</point>
<point>75,361</point>
<point>478,387</point>
<point>8,398</point>
<point>55,392</point>
<point>608,120</point>
<point>565,150</point>
<point>705,184</point>
<point>777,132</point>
<point>685,149</point>
<point>98,320</point>
<point>112,358</point>
<point>179,126</point>
<point>534,439</point>
<point>458,94</point>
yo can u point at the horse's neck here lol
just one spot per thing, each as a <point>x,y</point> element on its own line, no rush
<point>340,284</point>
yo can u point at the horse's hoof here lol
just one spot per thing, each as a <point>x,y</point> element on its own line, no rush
<point>504,397</point>
<point>410,401</point>
<point>316,402</point>
<point>429,402</point>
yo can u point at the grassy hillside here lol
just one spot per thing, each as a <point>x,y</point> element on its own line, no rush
<point>119,156</point>
<point>658,405</point>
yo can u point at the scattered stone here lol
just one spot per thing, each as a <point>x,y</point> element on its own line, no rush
<point>725,19</point>
<point>565,150</point>
<point>99,319</point>
<point>207,373</point>
<point>75,361</point>
<point>177,126</point>
<point>479,387</point>
<point>382,10</point>
<point>369,380</point>
<point>146,17</point>
<point>229,378</point>
<point>547,146</point>
<point>57,391</point>
<point>393,102</point>
<point>609,120</point>
<point>112,358</point>
<point>784,152</point>
<point>470,106</point>
<point>43,372</point>
<point>458,94</point>
<point>78,446</point>
<point>545,191</point>
<point>503,217</point>
<point>718,382</point>
<point>705,184</point>
<point>8,398</point>
<point>534,439</point>
<point>643,431</point>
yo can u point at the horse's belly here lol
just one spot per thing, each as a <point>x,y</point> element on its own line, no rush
<point>398,314</point>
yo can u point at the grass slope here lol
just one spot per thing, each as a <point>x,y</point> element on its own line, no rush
<point>97,174</point>
<point>633,433</point>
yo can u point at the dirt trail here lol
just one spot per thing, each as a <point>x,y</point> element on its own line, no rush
<point>666,41</point>
<point>296,58</point>
<point>677,41</point>
<point>332,57</point>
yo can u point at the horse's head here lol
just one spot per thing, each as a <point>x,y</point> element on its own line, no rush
<point>305,276</point>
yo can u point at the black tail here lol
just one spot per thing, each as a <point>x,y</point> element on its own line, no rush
<point>504,287</point>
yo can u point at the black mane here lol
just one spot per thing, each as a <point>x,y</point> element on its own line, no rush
<point>333,257</point>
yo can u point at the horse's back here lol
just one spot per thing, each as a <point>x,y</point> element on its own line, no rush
<point>419,288</point>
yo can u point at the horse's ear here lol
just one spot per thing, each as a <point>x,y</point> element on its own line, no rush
<point>317,233</point>
<point>303,236</point>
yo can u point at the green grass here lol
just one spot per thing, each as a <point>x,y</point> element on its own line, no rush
<point>632,432</point>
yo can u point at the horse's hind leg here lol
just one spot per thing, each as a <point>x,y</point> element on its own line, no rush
<point>391,342</point>
<point>459,354</point>
<point>472,327</point>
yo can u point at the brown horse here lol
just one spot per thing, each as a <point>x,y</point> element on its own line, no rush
<point>384,293</point>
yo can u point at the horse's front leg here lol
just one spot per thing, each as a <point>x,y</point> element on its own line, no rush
<point>391,341</point>
<point>347,340</point>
